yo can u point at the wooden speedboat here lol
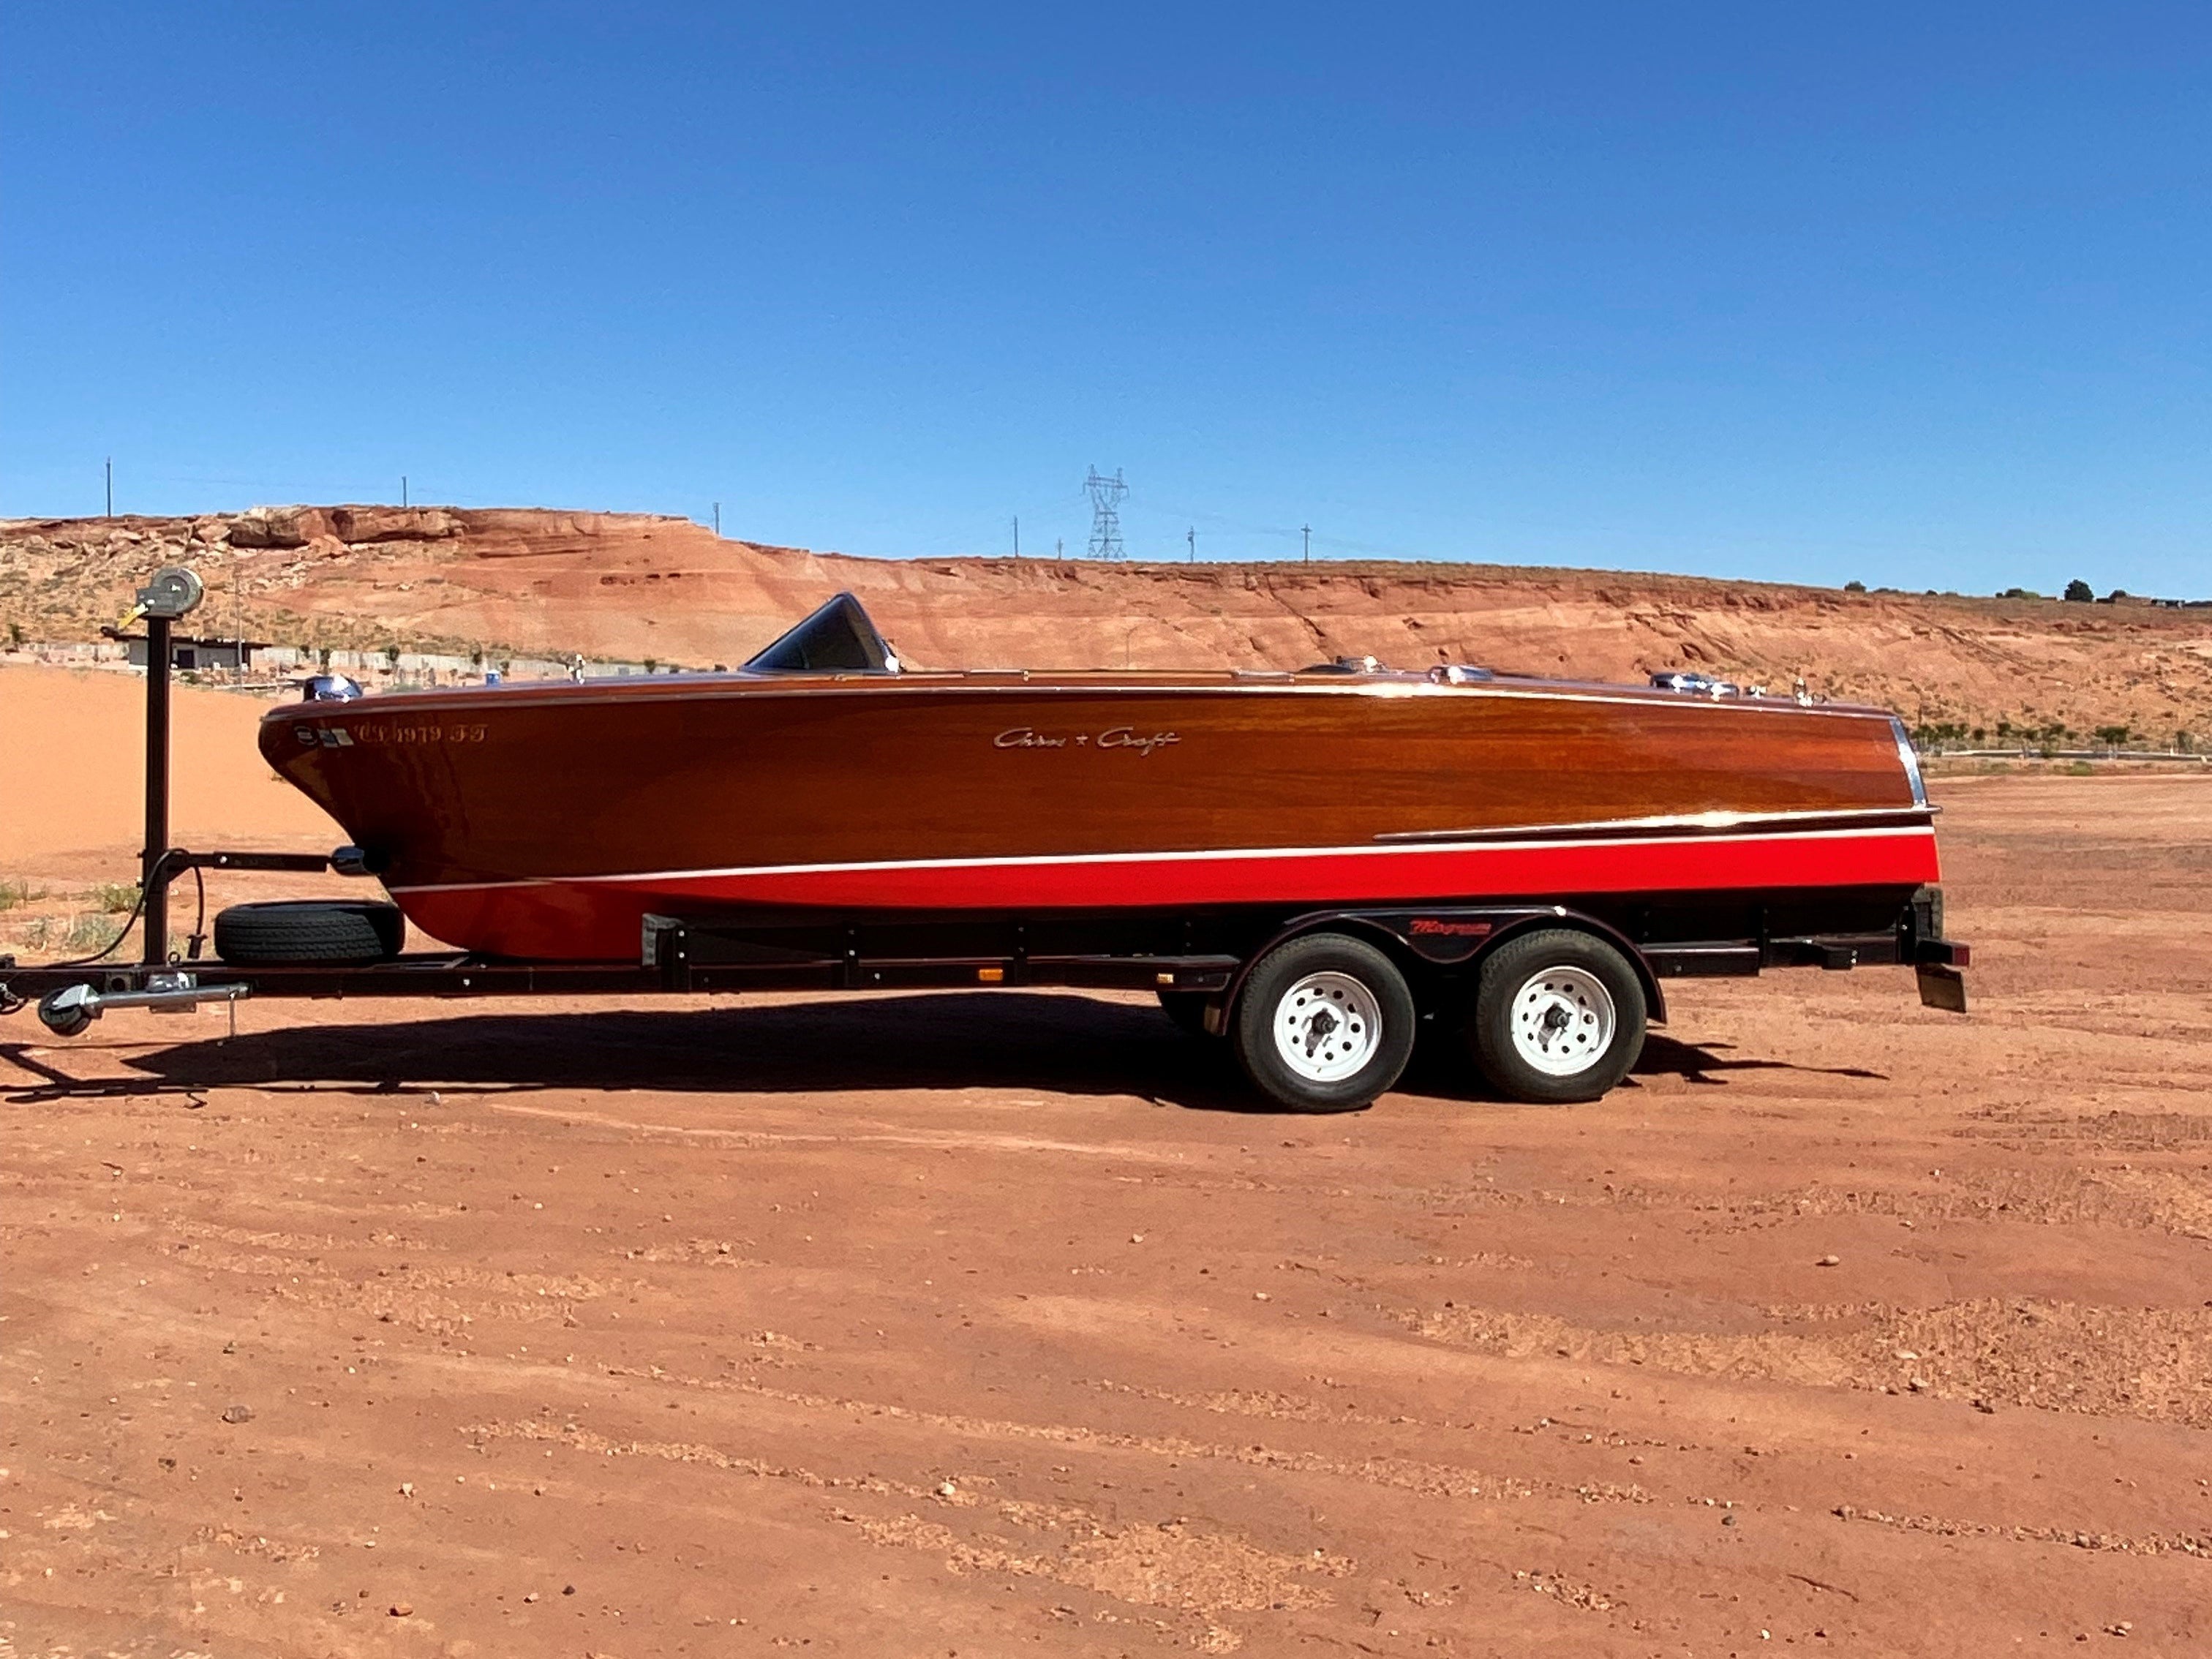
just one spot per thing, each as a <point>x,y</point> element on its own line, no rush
<point>547,821</point>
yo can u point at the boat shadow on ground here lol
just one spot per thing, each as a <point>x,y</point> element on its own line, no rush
<point>1068,1045</point>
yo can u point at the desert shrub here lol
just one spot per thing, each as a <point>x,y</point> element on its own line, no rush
<point>15,893</point>
<point>1934,734</point>
<point>1854,587</point>
<point>116,896</point>
<point>81,935</point>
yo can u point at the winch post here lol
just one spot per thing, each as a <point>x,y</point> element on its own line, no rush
<point>172,595</point>
<point>153,878</point>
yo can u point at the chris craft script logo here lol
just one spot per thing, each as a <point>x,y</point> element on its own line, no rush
<point>1118,737</point>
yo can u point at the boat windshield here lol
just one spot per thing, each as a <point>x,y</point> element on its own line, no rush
<point>836,639</point>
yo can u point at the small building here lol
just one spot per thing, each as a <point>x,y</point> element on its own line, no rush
<point>192,651</point>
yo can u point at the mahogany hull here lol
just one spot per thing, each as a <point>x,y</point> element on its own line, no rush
<point>547,821</point>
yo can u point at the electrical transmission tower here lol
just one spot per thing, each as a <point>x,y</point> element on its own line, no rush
<point>1106,496</point>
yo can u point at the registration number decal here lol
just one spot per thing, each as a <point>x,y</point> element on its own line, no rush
<point>345,737</point>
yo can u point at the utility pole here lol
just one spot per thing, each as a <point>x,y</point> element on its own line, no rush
<point>1306,530</point>
<point>1059,548</point>
<point>111,486</point>
<point>1191,536</point>
<point>718,518</point>
<point>1018,535</point>
<point>403,489</point>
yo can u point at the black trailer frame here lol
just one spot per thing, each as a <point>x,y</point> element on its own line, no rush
<point>1199,953</point>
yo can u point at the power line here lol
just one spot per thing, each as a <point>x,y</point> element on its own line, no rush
<point>1106,496</point>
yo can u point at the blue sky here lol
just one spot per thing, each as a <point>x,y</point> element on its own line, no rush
<point>1917,294</point>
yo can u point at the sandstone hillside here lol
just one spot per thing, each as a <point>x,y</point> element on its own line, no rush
<point>639,586</point>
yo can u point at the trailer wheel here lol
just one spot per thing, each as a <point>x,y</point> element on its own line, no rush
<point>1557,1017</point>
<point>309,930</point>
<point>1187,1010</point>
<point>1324,1024</point>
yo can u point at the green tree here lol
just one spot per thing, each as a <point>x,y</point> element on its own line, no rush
<point>2078,592</point>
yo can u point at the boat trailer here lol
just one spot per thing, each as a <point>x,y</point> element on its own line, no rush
<point>1612,958</point>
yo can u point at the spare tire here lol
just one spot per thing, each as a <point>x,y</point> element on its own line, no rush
<point>310,930</point>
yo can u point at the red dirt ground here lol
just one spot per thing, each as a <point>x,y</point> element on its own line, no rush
<point>992,1324</point>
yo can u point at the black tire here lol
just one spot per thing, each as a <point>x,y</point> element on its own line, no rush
<point>1187,1010</point>
<point>309,930</point>
<point>1594,1044</point>
<point>1275,994</point>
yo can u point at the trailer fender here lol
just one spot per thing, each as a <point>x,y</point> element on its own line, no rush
<point>1655,999</point>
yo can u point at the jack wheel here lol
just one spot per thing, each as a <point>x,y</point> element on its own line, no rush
<point>63,1013</point>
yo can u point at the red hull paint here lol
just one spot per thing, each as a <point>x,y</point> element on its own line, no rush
<point>600,917</point>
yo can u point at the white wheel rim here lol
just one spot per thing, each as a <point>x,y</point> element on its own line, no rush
<point>1328,1027</point>
<point>1563,1021</point>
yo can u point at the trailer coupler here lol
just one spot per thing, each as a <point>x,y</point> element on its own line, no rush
<point>67,1011</point>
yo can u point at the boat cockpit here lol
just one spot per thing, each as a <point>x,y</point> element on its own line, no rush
<point>836,639</point>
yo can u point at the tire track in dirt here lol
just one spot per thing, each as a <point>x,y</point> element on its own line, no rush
<point>1427,1480</point>
<point>2144,1363</point>
<point>1169,1566</point>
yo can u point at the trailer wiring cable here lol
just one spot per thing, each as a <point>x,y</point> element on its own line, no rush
<point>198,937</point>
<point>198,934</point>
